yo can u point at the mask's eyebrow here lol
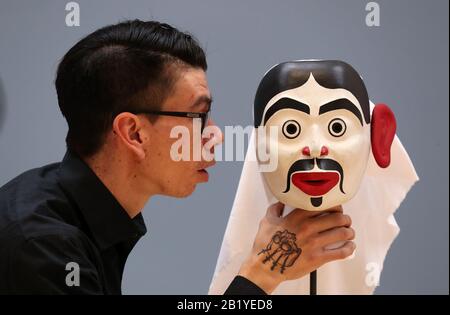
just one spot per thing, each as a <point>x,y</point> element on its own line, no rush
<point>341,103</point>
<point>283,103</point>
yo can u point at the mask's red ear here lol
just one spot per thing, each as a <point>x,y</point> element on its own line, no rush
<point>383,128</point>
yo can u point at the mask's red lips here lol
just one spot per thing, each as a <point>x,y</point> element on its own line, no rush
<point>315,183</point>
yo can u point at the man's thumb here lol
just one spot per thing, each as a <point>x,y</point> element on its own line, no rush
<point>275,210</point>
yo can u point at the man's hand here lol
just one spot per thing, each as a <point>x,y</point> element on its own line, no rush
<point>291,247</point>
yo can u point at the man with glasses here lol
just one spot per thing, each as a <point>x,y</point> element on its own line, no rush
<point>122,89</point>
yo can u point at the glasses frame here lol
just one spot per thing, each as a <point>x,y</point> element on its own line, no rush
<point>204,116</point>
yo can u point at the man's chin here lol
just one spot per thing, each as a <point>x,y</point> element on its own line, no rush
<point>183,193</point>
<point>187,189</point>
<point>186,193</point>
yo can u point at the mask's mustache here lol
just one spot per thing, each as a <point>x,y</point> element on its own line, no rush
<point>308,164</point>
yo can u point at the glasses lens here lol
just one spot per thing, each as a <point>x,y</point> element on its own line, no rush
<point>205,119</point>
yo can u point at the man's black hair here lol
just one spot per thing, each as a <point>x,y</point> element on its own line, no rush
<point>116,68</point>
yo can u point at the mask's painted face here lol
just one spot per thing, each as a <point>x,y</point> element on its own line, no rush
<point>323,141</point>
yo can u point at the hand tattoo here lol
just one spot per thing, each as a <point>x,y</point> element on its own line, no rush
<point>282,250</point>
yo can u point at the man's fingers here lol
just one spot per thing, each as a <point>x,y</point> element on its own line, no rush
<point>298,215</point>
<point>333,236</point>
<point>275,210</point>
<point>324,212</point>
<point>328,221</point>
<point>339,253</point>
<point>336,209</point>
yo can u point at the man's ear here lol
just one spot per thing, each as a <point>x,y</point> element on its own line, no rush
<point>383,128</point>
<point>127,127</point>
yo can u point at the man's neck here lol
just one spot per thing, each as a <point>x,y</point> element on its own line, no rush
<point>121,181</point>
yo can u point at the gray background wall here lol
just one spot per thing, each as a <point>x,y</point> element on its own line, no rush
<point>404,63</point>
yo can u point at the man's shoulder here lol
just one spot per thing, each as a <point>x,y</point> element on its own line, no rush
<point>34,205</point>
<point>37,261</point>
<point>15,236</point>
<point>29,178</point>
<point>44,230</point>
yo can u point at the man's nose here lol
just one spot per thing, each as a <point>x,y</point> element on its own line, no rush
<point>306,151</point>
<point>217,134</point>
<point>211,122</point>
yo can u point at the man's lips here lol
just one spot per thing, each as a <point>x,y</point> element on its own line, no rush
<point>203,170</point>
<point>207,165</point>
<point>315,183</point>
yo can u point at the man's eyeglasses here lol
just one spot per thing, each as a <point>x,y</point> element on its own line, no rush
<point>203,116</point>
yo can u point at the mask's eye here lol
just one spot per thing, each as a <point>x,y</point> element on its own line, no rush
<point>337,127</point>
<point>291,129</point>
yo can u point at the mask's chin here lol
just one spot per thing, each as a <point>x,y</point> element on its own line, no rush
<point>309,203</point>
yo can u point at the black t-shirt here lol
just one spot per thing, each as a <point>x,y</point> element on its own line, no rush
<point>63,232</point>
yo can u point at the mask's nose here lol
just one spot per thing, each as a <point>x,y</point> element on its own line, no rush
<point>306,151</point>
